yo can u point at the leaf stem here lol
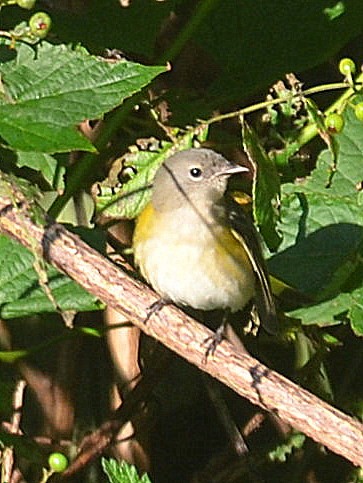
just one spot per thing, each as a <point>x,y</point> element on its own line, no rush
<point>4,33</point>
<point>279,100</point>
<point>311,130</point>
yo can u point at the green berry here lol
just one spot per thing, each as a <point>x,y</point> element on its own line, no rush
<point>28,4</point>
<point>358,109</point>
<point>334,123</point>
<point>40,24</point>
<point>347,66</point>
<point>58,462</point>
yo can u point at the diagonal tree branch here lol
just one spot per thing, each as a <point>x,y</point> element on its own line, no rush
<point>180,333</point>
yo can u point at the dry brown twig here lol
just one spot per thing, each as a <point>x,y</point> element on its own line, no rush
<point>7,466</point>
<point>180,333</point>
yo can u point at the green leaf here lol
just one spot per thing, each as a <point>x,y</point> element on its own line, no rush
<point>322,244</point>
<point>332,312</point>
<point>282,452</point>
<point>266,188</point>
<point>321,218</point>
<point>21,294</point>
<point>322,225</point>
<point>129,201</point>
<point>340,179</point>
<point>134,195</point>
<point>48,93</point>
<point>46,164</point>
<point>122,472</point>
<point>356,312</point>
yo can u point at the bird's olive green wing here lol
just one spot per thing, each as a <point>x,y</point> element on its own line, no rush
<point>245,232</point>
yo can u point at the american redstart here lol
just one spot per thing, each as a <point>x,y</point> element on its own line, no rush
<point>195,245</point>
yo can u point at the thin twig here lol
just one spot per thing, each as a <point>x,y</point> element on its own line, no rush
<point>8,454</point>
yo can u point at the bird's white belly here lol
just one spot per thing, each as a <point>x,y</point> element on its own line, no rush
<point>188,274</point>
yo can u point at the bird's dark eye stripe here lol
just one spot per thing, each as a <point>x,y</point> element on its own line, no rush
<point>196,172</point>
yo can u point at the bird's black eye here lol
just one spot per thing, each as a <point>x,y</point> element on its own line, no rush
<point>195,172</point>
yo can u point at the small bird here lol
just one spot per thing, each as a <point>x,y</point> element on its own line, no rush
<point>195,245</point>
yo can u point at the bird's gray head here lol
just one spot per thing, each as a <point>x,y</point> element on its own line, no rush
<point>196,175</point>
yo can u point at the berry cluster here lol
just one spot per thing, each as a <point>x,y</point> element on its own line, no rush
<point>334,121</point>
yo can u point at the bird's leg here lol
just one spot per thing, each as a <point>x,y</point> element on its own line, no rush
<point>155,307</point>
<point>214,340</point>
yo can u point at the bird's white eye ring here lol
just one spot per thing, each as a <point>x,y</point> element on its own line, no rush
<point>195,172</point>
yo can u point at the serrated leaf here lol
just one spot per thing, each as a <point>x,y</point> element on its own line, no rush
<point>129,201</point>
<point>322,236</point>
<point>322,224</point>
<point>266,188</point>
<point>21,294</point>
<point>284,450</point>
<point>135,194</point>
<point>28,285</point>
<point>343,176</point>
<point>122,472</point>
<point>47,95</point>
